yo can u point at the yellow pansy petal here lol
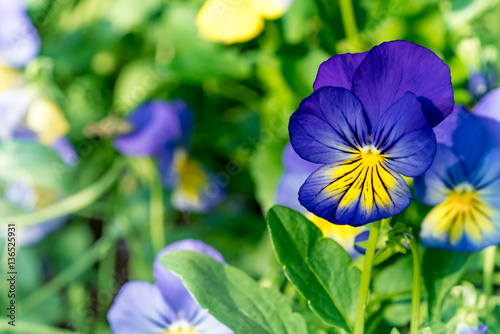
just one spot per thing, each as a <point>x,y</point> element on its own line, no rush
<point>229,21</point>
<point>272,9</point>
<point>47,120</point>
<point>345,235</point>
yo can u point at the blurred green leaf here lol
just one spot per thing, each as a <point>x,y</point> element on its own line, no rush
<point>266,170</point>
<point>190,57</point>
<point>33,163</point>
<point>135,83</point>
<point>232,297</point>
<point>318,267</point>
<point>402,268</point>
<point>442,270</point>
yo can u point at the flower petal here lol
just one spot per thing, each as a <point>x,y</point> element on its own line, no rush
<point>404,137</point>
<point>338,70</point>
<point>393,68</point>
<point>469,218</point>
<point>229,21</point>
<point>354,193</point>
<point>468,136</point>
<point>155,123</point>
<point>488,105</point>
<point>139,308</point>
<point>171,287</point>
<point>14,104</point>
<point>445,172</point>
<point>195,189</point>
<point>329,126</point>
<point>486,178</point>
<point>19,40</point>
<point>460,224</point>
<point>66,151</point>
<point>297,170</point>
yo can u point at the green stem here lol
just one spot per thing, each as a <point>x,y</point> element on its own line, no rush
<point>488,271</point>
<point>70,204</point>
<point>77,268</point>
<point>156,208</point>
<point>349,22</point>
<point>359,326</point>
<point>415,299</point>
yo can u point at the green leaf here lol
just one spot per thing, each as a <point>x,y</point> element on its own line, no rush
<point>232,297</point>
<point>442,270</point>
<point>266,169</point>
<point>33,163</point>
<point>318,267</point>
<point>385,284</point>
<point>135,83</point>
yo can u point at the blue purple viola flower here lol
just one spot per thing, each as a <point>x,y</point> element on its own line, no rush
<point>368,122</point>
<point>463,184</point>
<point>162,130</point>
<point>166,306</point>
<point>296,172</point>
<point>19,40</point>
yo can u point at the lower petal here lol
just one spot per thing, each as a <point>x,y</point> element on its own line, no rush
<point>139,308</point>
<point>355,192</point>
<point>462,224</point>
<point>196,190</point>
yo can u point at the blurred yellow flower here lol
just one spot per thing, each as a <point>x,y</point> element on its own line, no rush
<point>233,21</point>
<point>46,119</point>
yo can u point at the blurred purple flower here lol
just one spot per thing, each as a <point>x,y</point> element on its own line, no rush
<point>162,130</point>
<point>166,306</point>
<point>463,183</point>
<point>19,40</point>
<point>463,328</point>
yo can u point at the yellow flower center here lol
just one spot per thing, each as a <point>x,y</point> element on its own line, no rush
<point>370,156</point>
<point>181,331</point>
<point>181,327</point>
<point>363,177</point>
<point>463,211</point>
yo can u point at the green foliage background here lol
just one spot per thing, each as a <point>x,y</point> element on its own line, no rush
<point>105,57</point>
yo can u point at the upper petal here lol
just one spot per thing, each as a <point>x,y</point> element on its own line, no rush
<point>139,308</point>
<point>486,178</point>
<point>171,287</point>
<point>155,123</point>
<point>404,137</point>
<point>446,171</point>
<point>329,126</point>
<point>19,40</point>
<point>488,105</point>
<point>467,135</point>
<point>393,68</point>
<point>338,70</point>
